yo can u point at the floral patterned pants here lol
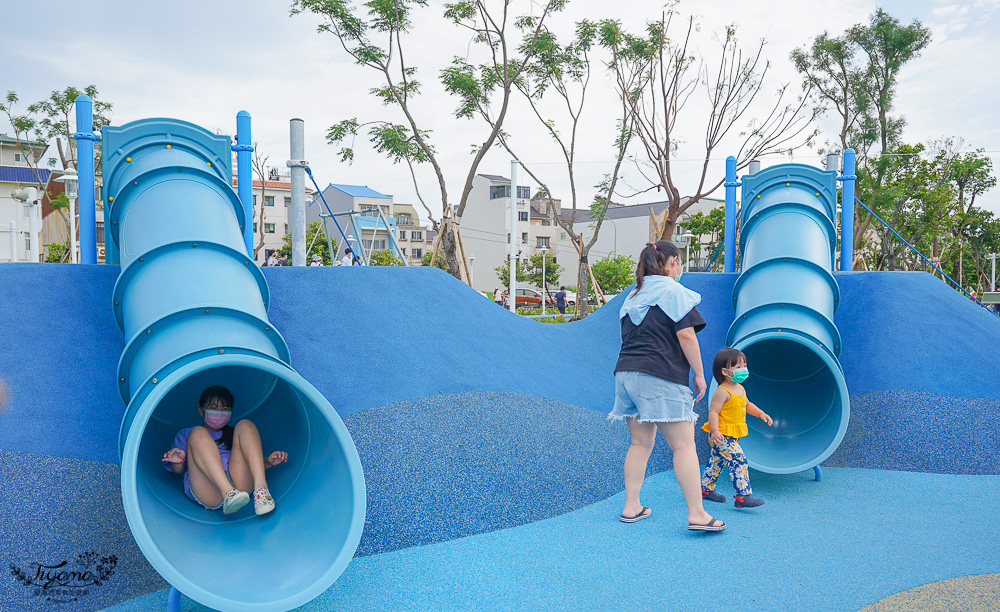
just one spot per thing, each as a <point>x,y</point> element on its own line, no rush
<point>729,453</point>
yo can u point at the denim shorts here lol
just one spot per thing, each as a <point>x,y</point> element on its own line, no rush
<point>649,398</point>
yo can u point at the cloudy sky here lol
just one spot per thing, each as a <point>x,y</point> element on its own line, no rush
<point>205,61</point>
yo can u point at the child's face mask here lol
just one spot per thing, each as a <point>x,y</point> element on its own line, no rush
<point>740,374</point>
<point>217,419</point>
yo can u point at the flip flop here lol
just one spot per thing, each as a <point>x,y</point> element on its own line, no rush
<point>711,526</point>
<point>644,513</point>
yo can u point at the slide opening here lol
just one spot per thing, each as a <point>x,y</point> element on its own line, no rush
<point>802,388</point>
<point>242,560</point>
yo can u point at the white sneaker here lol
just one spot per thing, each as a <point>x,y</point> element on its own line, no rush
<point>234,500</point>
<point>262,501</point>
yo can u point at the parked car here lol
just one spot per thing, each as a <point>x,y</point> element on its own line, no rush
<point>530,297</point>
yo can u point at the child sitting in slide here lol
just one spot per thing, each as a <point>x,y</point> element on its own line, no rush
<point>222,464</point>
<point>727,423</point>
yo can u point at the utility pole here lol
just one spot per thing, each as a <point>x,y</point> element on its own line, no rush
<point>512,280</point>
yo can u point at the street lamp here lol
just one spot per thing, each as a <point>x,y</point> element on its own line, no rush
<point>993,270</point>
<point>687,250</point>
<point>472,271</point>
<point>69,179</point>
<point>545,291</point>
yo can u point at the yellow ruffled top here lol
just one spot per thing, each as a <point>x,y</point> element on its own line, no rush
<point>733,417</point>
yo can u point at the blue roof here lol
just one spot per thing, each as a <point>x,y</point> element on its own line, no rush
<point>360,191</point>
<point>10,174</point>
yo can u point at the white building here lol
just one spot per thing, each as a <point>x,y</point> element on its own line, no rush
<point>411,235</point>
<point>485,226</point>
<point>627,229</point>
<point>275,205</point>
<point>17,173</point>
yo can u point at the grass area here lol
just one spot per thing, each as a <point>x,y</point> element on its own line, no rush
<point>535,312</point>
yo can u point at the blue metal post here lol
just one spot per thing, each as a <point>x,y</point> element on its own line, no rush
<point>847,213</point>
<point>85,138</point>
<point>244,176</point>
<point>174,600</point>
<point>729,235</point>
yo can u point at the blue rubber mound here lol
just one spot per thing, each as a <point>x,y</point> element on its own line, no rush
<point>375,340</point>
<point>908,330</point>
<point>449,466</point>
<point>59,510</point>
<point>915,431</point>
<point>901,330</point>
<point>62,348</point>
<point>370,336</point>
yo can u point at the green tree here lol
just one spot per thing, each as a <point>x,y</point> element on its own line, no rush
<point>562,72</point>
<point>710,226</point>
<point>319,244</point>
<point>379,39</point>
<point>384,257</point>
<point>503,272</point>
<point>981,237</point>
<point>855,75</point>
<point>615,272</point>
<point>440,262</point>
<point>49,120</point>
<point>970,175</point>
<point>533,270</point>
<point>55,112</point>
<point>56,252</point>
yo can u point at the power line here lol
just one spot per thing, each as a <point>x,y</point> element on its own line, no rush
<point>722,159</point>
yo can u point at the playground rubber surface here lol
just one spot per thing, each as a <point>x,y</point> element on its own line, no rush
<point>800,551</point>
<point>494,482</point>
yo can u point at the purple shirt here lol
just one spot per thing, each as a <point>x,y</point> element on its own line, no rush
<point>180,441</point>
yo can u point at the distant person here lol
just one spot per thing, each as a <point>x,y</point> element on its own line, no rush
<point>497,296</point>
<point>659,349</point>
<point>316,261</point>
<point>996,307</point>
<point>561,300</point>
<point>348,258</point>
<point>222,465</point>
<point>271,261</point>
<point>283,260</point>
<point>727,423</point>
<point>504,297</point>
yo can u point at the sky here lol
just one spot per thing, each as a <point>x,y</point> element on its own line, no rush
<point>205,61</point>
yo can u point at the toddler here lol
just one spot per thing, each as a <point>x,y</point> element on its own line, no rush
<point>727,423</point>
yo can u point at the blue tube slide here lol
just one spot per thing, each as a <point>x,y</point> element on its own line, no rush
<point>785,299</point>
<point>193,307</point>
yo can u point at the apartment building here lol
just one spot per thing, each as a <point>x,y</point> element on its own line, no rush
<point>273,202</point>
<point>411,235</point>
<point>627,229</point>
<point>486,226</point>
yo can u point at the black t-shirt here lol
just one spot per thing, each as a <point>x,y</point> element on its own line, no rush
<point>652,346</point>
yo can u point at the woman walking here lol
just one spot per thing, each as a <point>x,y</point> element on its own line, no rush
<point>659,349</point>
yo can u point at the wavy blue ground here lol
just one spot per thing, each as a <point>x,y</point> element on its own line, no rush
<point>491,468</point>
